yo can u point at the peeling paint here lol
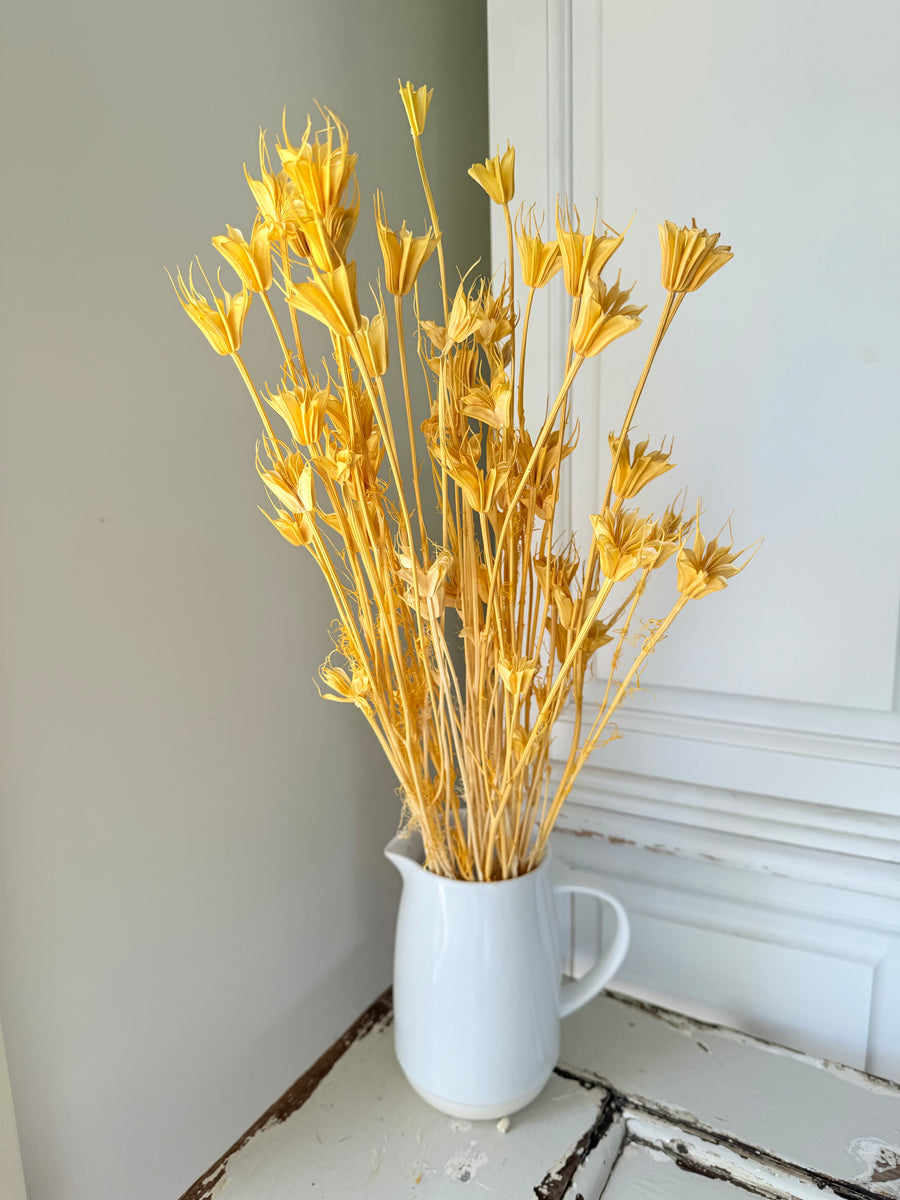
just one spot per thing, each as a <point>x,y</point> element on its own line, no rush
<point>881,1162</point>
<point>873,1084</point>
<point>463,1166</point>
<point>394,1137</point>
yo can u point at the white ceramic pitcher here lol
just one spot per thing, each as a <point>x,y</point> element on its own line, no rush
<point>478,990</point>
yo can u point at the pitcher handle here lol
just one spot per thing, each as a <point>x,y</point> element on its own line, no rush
<point>577,992</point>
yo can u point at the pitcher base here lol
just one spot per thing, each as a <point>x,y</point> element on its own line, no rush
<point>477,1112</point>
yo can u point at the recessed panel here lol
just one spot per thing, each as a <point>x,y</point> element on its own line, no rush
<point>651,1175</point>
<point>776,124</point>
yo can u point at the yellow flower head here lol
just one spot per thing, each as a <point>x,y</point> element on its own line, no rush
<point>338,463</point>
<point>345,689</point>
<point>517,674</point>
<point>603,316</point>
<point>252,261</point>
<point>277,209</point>
<point>290,482</point>
<point>296,529</point>
<point>669,533</point>
<point>481,488</point>
<point>416,102</point>
<point>466,315</point>
<point>635,470</point>
<point>321,249</point>
<point>426,585</point>
<point>625,543</point>
<point>497,175</point>
<point>557,570</point>
<point>404,255</point>
<point>706,567</point>
<point>491,403</point>
<point>325,239</point>
<point>372,341</point>
<point>222,325</point>
<point>584,255</point>
<point>331,298</point>
<point>497,318</point>
<point>539,260</point>
<point>689,256</point>
<point>303,410</point>
<point>321,167</point>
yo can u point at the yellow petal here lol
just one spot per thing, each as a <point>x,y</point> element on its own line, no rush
<point>416,102</point>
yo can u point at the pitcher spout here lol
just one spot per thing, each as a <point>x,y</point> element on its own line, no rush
<point>405,852</point>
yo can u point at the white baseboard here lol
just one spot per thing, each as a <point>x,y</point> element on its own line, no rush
<point>734,922</point>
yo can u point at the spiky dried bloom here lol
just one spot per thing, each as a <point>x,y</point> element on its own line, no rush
<point>706,567</point>
<point>373,342</point>
<point>634,470</point>
<point>530,609</point>
<point>303,410</point>
<point>222,322</point>
<point>689,256</point>
<point>251,261</point>
<point>625,543</point>
<point>497,175</point>
<point>404,255</point>
<point>584,255</point>
<point>603,316</point>
<point>539,260</point>
<point>466,315</point>
<point>291,482</point>
<point>330,297</point>
<point>321,167</point>
<point>276,211</point>
<point>416,102</point>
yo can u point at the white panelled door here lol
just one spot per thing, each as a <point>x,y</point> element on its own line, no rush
<point>749,817</point>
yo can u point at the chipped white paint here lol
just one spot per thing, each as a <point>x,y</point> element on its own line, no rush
<point>705,932</point>
<point>651,1175</point>
<point>365,1133</point>
<point>695,1155</point>
<point>463,1166</point>
<point>797,1109</point>
<point>881,1165</point>
<point>677,1110</point>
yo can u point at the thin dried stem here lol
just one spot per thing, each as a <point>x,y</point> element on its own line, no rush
<point>471,749</point>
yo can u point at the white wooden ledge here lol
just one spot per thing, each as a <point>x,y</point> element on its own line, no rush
<point>645,1104</point>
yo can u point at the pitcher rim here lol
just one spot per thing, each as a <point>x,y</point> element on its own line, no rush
<point>494,883</point>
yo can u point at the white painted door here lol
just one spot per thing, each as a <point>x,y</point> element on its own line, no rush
<point>645,1105</point>
<point>749,815</point>
<point>12,1181</point>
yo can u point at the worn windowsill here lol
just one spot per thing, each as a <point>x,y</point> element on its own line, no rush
<point>639,1091</point>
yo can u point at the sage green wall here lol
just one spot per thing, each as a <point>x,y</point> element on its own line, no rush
<point>193,901</point>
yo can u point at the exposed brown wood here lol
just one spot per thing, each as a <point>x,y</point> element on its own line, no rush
<point>555,1184</point>
<point>298,1093</point>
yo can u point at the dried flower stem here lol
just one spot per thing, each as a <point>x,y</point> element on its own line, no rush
<point>471,753</point>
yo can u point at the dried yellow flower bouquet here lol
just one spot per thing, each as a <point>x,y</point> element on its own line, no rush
<point>471,752</point>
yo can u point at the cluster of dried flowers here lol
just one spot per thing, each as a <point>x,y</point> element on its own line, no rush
<point>471,753</point>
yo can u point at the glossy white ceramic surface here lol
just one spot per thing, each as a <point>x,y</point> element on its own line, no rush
<point>478,991</point>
